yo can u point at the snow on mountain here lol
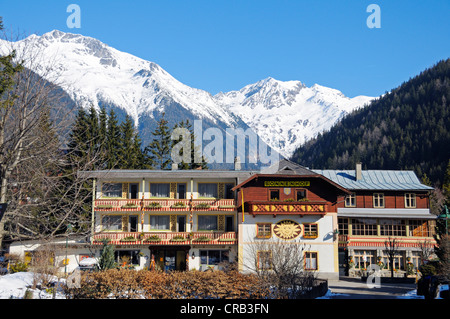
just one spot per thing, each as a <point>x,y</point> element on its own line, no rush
<point>283,114</point>
<point>93,73</point>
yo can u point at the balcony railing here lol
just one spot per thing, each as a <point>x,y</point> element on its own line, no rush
<point>379,241</point>
<point>164,204</point>
<point>288,208</point>
<point>166,238</point>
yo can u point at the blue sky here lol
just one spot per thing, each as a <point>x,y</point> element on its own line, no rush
<point>223,45</point>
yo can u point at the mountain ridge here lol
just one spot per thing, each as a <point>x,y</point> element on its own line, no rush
<point>94,73</point>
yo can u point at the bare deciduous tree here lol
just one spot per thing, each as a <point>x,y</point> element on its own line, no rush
<point>280,263</point>
<point>42,189</point>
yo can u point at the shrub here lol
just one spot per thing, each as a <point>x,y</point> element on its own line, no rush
<point>131,284</point>
<point>18,266</point>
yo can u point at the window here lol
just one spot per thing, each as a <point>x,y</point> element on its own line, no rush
<point>343,226</point>
<point>350,200</point>
<point>392,227</point>
<point>364,227</point>
<point>363,258</point>
<point>378,200</point>
<point>274,194</point>
<point>300,194</point>
<point>264,260</point>
<point>207,190</point>
<point>421,228</point>
<point>160,190</point>
<point>410,200</point>
<point>207,222</point>
<point>112,222</point>
<point>213,257</point>
<point>263,230</point>
<point>112,190</point>
<point>310,230</point>
<point>311,261</point>
<point>399,260</point>
<point>160,222</point>
<point>127,257</point>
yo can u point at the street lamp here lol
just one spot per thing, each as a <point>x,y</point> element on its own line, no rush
<point>69,228</point>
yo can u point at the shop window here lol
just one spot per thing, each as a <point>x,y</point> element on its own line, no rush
<point>364,258</point>
<point>213,257</point>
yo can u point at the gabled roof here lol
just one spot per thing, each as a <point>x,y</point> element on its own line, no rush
<point>375,179</point>
<point>286,167</point>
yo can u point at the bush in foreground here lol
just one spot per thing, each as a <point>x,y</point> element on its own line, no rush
<point>131,284</point>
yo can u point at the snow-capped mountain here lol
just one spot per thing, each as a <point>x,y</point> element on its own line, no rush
<point>93,73</point>
<point>289,112</point>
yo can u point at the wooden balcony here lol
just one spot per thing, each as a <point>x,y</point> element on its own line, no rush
<point>166,238</point>
<point>286,208</point>
<point>171,205</point>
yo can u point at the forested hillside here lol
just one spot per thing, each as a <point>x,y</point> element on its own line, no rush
<point>407,128</point>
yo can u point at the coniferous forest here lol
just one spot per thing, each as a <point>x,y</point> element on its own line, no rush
<point>99,141</point>
<point>405,129</point>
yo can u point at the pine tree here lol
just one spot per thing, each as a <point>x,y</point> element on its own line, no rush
<point>113,141</point>
<point>107,257</point>
<point>158,151</point>
<point>195,151</point>
<point>127,158</point>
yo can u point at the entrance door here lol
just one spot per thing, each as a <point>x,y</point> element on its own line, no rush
<point>181,191</point>
<point>181,223</point>
<point>170,260</point>
<point>343,269</point>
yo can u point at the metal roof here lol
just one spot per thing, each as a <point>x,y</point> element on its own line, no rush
<point>123,173</point>
<point>375,179</point>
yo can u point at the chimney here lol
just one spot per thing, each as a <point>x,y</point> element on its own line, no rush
<point>358,171</point>
<point>237,163</point>
<point>174,166</point>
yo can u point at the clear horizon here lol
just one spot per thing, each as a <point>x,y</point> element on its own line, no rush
<point>224,45</point>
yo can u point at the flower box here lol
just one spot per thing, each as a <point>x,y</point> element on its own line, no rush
<point>153,238</point>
